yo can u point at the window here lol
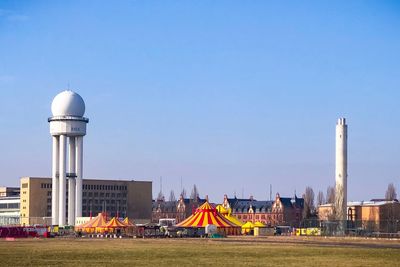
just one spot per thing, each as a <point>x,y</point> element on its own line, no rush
<point>24,185</point>
<point>49,193</point>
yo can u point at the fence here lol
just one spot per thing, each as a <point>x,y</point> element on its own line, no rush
<point>382,228</point>
<point>9,220</point>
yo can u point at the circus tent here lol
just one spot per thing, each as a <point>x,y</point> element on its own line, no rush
<point>90,226</point>
<point>115,223</point>
<point>247,227</point>
<point>128,222</point>
<point>227,214</point>
<point>207,214</point>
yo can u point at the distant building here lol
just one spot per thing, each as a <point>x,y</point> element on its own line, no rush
<point>375,215</point>
<point>178,210</point>
<point>281,211</point>
<point>9,191</point>
<point>9,209</point>
<point>115,197</point>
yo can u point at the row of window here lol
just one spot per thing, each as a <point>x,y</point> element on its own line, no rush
<point>102,194</point>
<point>97,201</point>
<point>96,209</point>
<point>90,202</point>
<point>9,205</point>
<point>88,186</point>
<point>261,217</point>
<point>43,185</point>
<point>104,187</point>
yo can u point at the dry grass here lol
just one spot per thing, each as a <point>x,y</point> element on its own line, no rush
<point>195,252</point>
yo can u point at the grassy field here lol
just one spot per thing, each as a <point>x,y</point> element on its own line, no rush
<point>199,252</point>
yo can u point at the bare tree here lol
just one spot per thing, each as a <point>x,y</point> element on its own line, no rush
<point>183,193</point>
<point>309,207</point>
<point>391,192</point>
<point>160,196</point>
<point>195,193</point>
<point>330,195</point>
<point>172,196</point>
<point>320,198</point>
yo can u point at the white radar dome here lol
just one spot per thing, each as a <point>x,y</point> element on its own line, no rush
<point>68,103</point>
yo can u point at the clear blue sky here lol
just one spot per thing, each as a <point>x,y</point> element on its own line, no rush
<point>229,95</point>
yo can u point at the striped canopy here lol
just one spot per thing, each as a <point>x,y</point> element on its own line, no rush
<point>204,215</point>
<point>115,223</point>
<point>98,221</point>
<point>228,215</point>
<point>128,222</point>
<point>248,225</point>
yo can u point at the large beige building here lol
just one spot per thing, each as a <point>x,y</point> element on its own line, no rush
<point>375,215</point>
<point>115,197</point>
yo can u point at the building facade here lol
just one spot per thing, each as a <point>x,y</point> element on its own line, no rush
<point>375,215</point>
<point>178,210</point>
<point>115,197</point>
<point>9,206</point>
<point>281,211</point>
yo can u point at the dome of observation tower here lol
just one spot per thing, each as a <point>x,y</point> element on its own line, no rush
<point>68,103</point>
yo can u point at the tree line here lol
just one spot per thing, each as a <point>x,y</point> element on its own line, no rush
<point>194,195</point>
<point>311,205</point>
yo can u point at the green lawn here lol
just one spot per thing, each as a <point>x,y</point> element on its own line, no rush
<point>191,252</point>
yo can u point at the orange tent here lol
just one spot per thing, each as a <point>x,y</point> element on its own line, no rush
<point>115,223</point>
<point>128,222</point>
<point>96,222</point>
<point>207,214</point>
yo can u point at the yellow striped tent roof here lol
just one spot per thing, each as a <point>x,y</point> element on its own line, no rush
<point>204,215</point>
<point>227,214</point>
<point>98,221</point>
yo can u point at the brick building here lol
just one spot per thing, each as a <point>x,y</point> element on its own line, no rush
<point>178,210</point>
<point>281,211</point>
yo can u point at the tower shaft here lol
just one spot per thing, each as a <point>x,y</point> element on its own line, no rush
<point>341,170</point>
